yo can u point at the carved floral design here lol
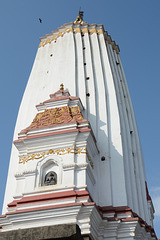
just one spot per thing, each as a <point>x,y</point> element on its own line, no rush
<point>64,151</point>
<point>56,116</point>
<point>76,113</point>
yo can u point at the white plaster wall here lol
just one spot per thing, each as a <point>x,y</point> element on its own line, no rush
<point>117,184</point>
<point>133,160</point>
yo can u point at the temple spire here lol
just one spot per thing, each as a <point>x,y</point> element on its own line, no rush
<point>61,86</point>
<point>79,18</point>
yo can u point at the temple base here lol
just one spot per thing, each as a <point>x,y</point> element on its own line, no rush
<point>56,232</point>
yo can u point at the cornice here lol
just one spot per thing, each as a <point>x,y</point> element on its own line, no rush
<point>86,214</point>
<point>75,29</point>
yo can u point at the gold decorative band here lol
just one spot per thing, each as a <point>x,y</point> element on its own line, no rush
<point>64,151</point>
<point>90,31</point>
<point>55,36</point>
<point>75,30</point>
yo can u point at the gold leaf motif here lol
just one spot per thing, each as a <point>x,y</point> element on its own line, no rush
<point>85,30</point>
<point>76,113</point>
<point>64,151</point>
<point>56,116</point>
<point>77,30</point>
<point>113,46</point>
<point>54,37</point>
<point>51,117</point>
<point>91,31</point>
<point>99,31</point>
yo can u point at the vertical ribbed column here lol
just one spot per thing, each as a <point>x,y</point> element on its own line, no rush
<point>137,152</point>
<point>116,158</point>
<point>89,78</point>
<point>94,106</point>
<point>79,66</point>
<point>125,129</point>
<point>129,129</point>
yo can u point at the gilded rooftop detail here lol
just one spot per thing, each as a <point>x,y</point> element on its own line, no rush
<point>79,18</point>
<point>78,27</point>
<point>54,116</point>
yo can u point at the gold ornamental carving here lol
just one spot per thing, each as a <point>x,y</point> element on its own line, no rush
<point>64,151</point>
<point>100,31</point>
<point>79,30</point>
<point>68,30</point>
<point>61,87</point>
<point>79,18</point>
<point>55,116</point>
<point>91,31</point>
<point>55,36</point>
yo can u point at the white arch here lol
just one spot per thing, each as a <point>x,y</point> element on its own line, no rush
<point>44,164</point>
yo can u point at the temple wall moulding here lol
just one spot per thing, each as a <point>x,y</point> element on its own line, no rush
<point>64,151</point>
<point>81,30</point>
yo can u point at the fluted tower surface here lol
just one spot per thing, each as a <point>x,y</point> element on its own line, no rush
<point>86,60</point>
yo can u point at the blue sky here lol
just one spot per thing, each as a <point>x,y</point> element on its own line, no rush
<point>133,24</point>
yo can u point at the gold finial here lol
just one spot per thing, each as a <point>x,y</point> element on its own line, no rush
<point>61,86</point>
<point>79,19</point>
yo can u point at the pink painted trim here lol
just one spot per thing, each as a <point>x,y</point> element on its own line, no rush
<point>44,208</point>
<point>53,97</point>
<point>130,219</point>
<point>85,130</point>
<point>82,193</point>
<point>111,209</point>
<point>125,209</point>
<point>52,134</point>
<point>46,134</point>
<point>49,197</point>
<point>147,193</point>
<point>59,92</point>
<point>88,204</point>
<point>24,131</point>
<point>121,209</point>
<point>50,207</point>
<point>58,98</point>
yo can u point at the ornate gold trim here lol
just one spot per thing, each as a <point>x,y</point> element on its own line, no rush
<point>79,18</point>
<point>78,30</point>
<point>61,86</point>
<point>84,30</point>
<point>75,30</point>
<point>55,116</point>
<point>113,46</point>
<point>64,151</point>
<point>100,31</point>
<point>91,31</point>
<point>54,37</point>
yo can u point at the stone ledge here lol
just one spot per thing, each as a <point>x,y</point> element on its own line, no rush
<point>56,232</point>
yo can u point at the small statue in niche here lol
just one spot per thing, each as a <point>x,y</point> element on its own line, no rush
<point>50,178</point>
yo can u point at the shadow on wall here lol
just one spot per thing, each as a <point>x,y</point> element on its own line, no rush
<point>111,174</point>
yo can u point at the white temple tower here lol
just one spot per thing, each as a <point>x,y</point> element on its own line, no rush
<point>76,155</point>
